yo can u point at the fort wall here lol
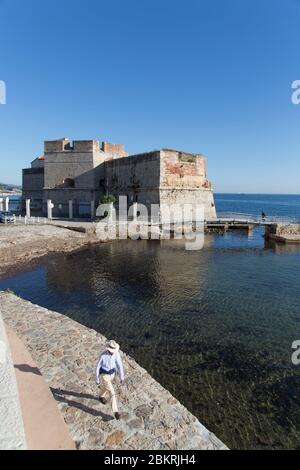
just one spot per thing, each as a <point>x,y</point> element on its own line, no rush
<point>83,171</point>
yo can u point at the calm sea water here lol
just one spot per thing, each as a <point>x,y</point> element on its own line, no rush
<point>215,327</point>
<point>282,206</point>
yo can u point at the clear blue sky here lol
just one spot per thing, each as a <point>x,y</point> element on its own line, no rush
<point>210,76</point>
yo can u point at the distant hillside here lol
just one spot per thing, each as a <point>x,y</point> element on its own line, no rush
<point>9,187</point>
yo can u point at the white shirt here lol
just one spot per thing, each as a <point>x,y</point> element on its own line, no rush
<point>108,362</point>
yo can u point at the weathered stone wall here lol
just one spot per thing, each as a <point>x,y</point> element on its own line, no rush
<point>67,353</point>
<point>136,177</point>
<point>82,171</point>
<point>161,177</point>
<point>55,145</point>
<point>183,180</point>
<point>287,229</point>
<point>182,170</point>
<point>285,233</point>
<point>81,201</point>
<point>115,150</point>
<point>74,165</point>
<point>190,196</point>
<point>38,162</point>
<point>82,146</point>
<point>33,179</point>
<point>32,186</point>
<point>77,162</point>
<point>80,166</point>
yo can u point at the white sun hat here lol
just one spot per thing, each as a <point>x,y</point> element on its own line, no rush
<point>112,346</point>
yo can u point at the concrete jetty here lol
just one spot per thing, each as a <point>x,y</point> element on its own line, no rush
<point>66,354</point>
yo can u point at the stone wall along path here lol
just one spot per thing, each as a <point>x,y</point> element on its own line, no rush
<point>67,354</point>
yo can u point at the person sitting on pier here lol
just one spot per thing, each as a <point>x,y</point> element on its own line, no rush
<point>263,216</point>
<point>109,364</point>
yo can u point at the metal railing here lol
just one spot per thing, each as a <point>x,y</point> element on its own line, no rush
<point>256,219</point>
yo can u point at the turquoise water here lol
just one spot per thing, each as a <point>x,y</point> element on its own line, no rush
<point>215,326</point>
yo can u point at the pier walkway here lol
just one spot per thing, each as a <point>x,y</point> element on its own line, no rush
<point>223,223</point>
<point>235,221</point>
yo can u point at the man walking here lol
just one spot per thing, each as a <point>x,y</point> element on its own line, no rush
<point>110,364</point>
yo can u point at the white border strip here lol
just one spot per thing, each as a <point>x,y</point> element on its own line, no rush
<point>12,433</point>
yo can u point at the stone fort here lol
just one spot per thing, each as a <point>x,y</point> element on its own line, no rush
<point>82,172</point>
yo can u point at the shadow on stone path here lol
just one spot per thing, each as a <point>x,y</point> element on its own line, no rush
<point>60,396</point>
<point>27,368</point>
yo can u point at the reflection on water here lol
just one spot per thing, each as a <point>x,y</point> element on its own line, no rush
<point>215,327</point>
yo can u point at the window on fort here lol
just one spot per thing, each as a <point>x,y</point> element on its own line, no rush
<point>69,183</point>
<point>68,146</point>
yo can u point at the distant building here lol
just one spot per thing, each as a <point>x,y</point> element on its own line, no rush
<point>84,171</point>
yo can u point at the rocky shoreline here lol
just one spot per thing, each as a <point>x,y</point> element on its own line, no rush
<point>67,352</point>
<point>284,233</point>
<point>24,245</point>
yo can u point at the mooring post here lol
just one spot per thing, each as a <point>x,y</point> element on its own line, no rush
<point>28,208</point>
<point>71,209</point>
<point>251,228</point>
<point>7,204</point>
<point>49,209</point>
<point>92,210</point>
<point>1,204</point>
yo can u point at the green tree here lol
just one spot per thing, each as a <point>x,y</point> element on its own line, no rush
<point>109,199</point>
